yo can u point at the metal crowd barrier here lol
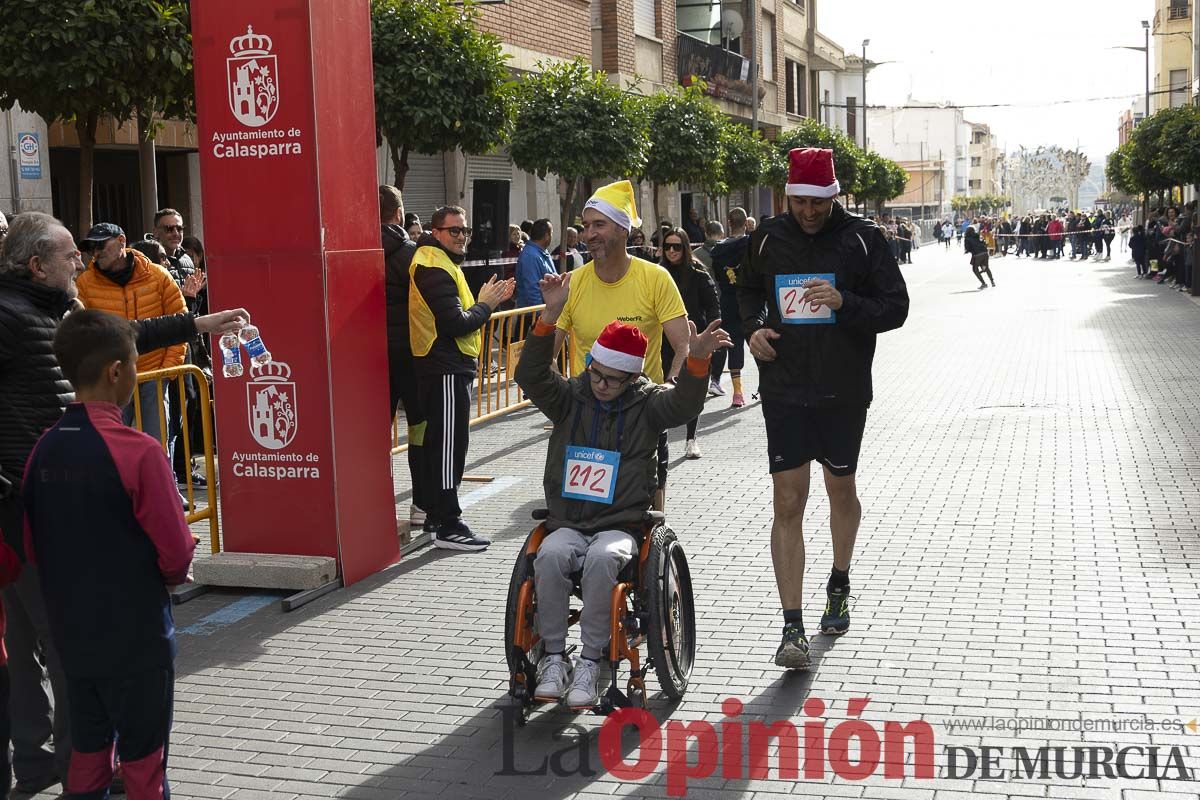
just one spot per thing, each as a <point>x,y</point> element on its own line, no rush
<point>178,376</point>
<point>496,391</point>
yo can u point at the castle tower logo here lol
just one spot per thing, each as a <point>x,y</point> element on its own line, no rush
<point>271,401</point>
<point>253,79</point>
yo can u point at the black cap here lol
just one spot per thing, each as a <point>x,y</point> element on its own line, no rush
<point>103,232</point>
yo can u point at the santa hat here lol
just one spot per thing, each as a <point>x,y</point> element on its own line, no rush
<point>621,346</point>
<point>615,201</point>
<point>810,173</point>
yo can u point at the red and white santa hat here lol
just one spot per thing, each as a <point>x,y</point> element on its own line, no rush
<point>810,173</point>
<point>621,346</point>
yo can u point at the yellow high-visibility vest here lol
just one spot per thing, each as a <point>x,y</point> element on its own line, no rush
<point>421,324</point>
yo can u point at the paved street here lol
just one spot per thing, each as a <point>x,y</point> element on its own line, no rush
<point>1029,548</point>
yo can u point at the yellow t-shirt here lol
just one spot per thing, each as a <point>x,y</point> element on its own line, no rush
<point>646,297</point>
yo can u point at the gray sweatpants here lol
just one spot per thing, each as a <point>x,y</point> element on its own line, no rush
<point>601,556</point>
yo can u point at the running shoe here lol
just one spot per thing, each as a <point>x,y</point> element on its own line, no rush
<point>715,390</point>
<point>457,536</point>
<point>836,619</point>
<point>554,675</point>
<point>584,692</point>
<point>739,400</point>
<point>693,449</point>
<point>793,650</point>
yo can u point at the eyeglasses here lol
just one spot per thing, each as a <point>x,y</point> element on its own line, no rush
<point>673,246</point>
<point>600,379</point>
<point>173,228</point>
<point>456,231</point>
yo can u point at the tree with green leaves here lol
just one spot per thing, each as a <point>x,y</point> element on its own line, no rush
<point>1179,144</point>
<point>810,133</point>
<point>685,129</point>
<point>1143,160</point>
<point>80,60</point>
<point>575,123</point>
<point>879,180</point>
<point>1116,170</point>
<point>744,160</point>
<point>440,84</point>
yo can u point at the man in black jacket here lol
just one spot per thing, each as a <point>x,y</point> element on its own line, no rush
<point>398,250</point>
<point>816,287</point>
<point>444,322</point>
<point>38,266</point>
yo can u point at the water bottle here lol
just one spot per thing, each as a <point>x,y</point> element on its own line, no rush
<point>231,354</point>
<point>254,346</point>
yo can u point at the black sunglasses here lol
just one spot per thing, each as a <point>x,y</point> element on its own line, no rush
<point>673,246</point>
<point>456,231</point>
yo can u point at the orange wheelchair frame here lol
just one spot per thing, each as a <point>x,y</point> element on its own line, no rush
<point>652,603</point>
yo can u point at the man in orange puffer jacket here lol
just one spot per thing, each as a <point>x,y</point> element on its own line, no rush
<point>124,282</point>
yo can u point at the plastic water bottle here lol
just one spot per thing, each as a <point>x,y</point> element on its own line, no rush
<point>231,354</point>
<point>254,346</point>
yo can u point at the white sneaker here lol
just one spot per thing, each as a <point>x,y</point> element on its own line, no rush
<point>554,673</point>
<point>584,693</point>
<point>693,449</point>
<point>416,517</point>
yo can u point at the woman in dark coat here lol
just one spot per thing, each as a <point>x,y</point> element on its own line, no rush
<point>979,256</point>
<point>700,298</point>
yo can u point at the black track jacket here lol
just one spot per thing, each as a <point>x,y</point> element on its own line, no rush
<point>825,365</point>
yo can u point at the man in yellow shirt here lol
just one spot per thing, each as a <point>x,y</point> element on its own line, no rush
<point>617,286</point>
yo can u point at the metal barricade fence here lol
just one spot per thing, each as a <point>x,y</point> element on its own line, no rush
<point>162,378</point>
<point>496,391</point>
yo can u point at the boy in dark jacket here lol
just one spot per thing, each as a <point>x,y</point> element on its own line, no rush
<point>601,476</point>
<point>104,528</point>
<point>1137,249</point>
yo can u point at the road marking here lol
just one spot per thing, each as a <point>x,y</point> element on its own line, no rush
<point>234,612</point>
<point>493,488</point>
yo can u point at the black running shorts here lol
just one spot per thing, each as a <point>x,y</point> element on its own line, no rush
<point>797,435</point>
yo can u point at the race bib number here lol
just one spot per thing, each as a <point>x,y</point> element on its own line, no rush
<point>789,289</point>
<point>590,474</point>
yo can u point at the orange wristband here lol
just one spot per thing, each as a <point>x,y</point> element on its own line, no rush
<point>543,328</point>
<point>697,366</point>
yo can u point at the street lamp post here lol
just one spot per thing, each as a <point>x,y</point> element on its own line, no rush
<point>864,93</point>
<point>1146,30</point>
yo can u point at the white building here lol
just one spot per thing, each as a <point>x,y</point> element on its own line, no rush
<point>925,132</point>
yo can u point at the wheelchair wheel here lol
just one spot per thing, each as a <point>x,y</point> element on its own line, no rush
<point>667,585</point>
<point>517,660</point>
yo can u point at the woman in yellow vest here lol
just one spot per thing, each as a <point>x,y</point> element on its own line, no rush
<point>444,320</point>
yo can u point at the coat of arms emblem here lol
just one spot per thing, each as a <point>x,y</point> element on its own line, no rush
<point>253,79</point>
<point>271,398</point>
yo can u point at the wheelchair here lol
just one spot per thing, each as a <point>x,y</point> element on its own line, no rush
<point>652,604</point>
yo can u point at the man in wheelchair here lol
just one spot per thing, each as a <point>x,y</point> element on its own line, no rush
<point>600,478</point>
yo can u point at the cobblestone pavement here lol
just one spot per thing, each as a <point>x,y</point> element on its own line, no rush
<point>1029,550</point>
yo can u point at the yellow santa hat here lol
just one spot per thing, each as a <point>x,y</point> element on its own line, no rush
<point>615,201</point>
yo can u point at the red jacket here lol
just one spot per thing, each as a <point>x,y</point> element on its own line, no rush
<point>1055,230</point>
<point>10,569</point>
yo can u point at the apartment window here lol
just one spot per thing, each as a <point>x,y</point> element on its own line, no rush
<point>643,18</point>
<point>976,161</point>
<point>800,4</point>
<point>852,117</point>
<point>794,88</point>
<point>827,109</point>
<point>974,183</point>
<point>1179,88</point>
<point>768,46</point>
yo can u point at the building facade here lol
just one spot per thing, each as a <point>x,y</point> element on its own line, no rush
<point>919,133</point>
<point>986,162</point>
<point>1171,33</point>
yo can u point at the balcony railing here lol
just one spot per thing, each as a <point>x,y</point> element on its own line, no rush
<point>1175,11</point>
<point>725,74</point>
